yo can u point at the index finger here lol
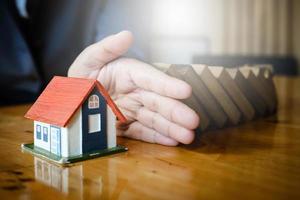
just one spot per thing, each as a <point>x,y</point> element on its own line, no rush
<point>148,78</point>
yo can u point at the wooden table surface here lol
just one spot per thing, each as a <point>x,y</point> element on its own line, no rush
<point>257,160</point>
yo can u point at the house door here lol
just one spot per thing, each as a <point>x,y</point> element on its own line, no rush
<point>94,123</point>
<point>55,146</point>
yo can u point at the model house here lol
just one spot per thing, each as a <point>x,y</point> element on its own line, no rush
<point>74,117</point>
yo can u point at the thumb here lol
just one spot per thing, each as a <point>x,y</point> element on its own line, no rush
<point>95,56</point>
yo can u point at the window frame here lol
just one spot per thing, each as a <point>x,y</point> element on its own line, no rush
<point>99,128</point>
<point>93,102</point>
<point>45,134</point>
<point>38,132</point>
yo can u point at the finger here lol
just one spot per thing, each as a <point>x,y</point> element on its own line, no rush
<point>173,110</point>
<point>128,104</point>
<point>97,55</point>
<point>155,121</point>
<point>140,132</point>
<point>147,77</point>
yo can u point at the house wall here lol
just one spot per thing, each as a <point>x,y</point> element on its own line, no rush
<point>70,136</point>
<point>74,132</point>
<point>111,128</point>
<point>73,136</point>
<point>40,142</point>
<point>64,142</point>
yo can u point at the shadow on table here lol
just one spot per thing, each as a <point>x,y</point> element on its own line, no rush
<point>236,140</point>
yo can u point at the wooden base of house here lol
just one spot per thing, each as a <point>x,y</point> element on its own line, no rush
<point>69,160</point>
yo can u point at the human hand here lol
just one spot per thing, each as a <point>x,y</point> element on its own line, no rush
<point>147,97</point>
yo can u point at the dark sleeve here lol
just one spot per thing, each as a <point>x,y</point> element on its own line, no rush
<point>133,15</point>
<point>55,33</point>
<point>19,81</point>
<point>60,31</point>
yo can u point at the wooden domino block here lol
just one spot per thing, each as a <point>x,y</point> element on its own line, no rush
<point>216,89</point>
<point>204,119</point>
<point>268,67</point>
<point>213,109</point>
<point>162,66</point>
<point>250,93</point>
<point>265,75</point>
<point>192,101</point>
<point>259,87</point>
<point>232,89</point>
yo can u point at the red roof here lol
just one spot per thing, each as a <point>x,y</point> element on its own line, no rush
<point>63,96</point>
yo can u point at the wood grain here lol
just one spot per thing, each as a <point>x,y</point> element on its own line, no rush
<point>257,160</point>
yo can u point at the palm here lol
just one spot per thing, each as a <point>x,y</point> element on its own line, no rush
<point>146,96</point>
<point>116,78</point>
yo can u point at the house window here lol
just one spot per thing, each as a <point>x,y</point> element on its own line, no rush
<point>38,132</point>
<point>45,134</point>
<point>93,101</point>
<point>94,123</point>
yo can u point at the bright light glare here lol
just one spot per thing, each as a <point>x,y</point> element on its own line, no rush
<point>174,17</point>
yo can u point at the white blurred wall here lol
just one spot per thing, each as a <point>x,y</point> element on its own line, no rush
<point>220,27</point>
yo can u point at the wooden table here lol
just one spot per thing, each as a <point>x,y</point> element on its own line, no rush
<point>257,160</point>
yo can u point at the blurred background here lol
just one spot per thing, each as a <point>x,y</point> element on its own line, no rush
<point>41,38</point>
<point>215,32</point>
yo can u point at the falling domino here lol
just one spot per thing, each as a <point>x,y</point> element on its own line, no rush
<point>264,74</point>
<point>162,66</point>
<point>216,114</point>
<point>230,86</point>
<point>258,86</point>
<point>226,103</point>
<point>248,90</point>
<point>193,102</point>
<point>222,95</point>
